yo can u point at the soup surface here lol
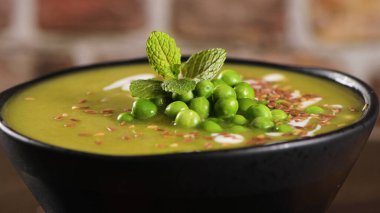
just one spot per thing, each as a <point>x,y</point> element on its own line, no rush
<point>78,111</point>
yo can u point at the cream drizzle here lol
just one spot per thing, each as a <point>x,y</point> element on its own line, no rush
<point>312,132</point>
<point>302,123</point>
<point>227,138</point>
<point>274,77</point>
<point>274,134</point>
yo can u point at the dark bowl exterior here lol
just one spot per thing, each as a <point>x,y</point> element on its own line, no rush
<point>297,176</point>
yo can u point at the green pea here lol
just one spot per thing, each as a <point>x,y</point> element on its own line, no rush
<point>201,105</point>
<point>244,104</point>
<point>284,128</point>
<point>239,120</point>
<point>226,107</point>
<point>230,77</point>
<point>183,97</point>
<point>187,118</point>
<point>143,109</point>
<point>314,110</point>
<point>211,126</point>
<point>223,91</point>
<point>244,90</point>
<point>218,82</point>
<point>259,110</point>
<point>278,114</point>
<point>262,123</point>
<point>204,88</point>
<point>174,108</point>
<point>125,116</point>
<point>237,129</point>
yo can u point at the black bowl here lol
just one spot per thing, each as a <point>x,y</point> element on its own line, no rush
<point>295,176</point>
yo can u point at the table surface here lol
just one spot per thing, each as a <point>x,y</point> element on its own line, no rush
<point>360,193</point>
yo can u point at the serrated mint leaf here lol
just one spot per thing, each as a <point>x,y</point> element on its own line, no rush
<point>179,86</point>
<point>146,88</point>
<point>204,65</point>
<point>163,54</point>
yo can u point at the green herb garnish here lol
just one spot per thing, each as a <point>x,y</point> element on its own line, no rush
<point>186,94</point>
<point>165,58</point>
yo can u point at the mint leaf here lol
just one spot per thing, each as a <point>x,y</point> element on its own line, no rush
<point>146,88</point>
<point>179,86</point>
<point>204,65</point>
<point>163,54</point>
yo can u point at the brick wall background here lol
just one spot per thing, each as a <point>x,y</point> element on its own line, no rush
<point>41,36</point>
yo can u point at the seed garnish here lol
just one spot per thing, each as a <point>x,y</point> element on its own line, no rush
<point>69,125</point>
<point>107,111</point>
<point>125,137</point>
<point>58,117</point>
<point>98,134</point>
<point>89,111</point>
<point>79,107</point>
<point>111,129</point>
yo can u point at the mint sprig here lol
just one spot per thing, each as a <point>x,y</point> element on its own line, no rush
<point>165,58</point>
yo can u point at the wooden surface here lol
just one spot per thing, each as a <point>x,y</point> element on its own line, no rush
<point>360,193</point>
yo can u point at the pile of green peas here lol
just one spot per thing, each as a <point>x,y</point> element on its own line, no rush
<point>224,104</point>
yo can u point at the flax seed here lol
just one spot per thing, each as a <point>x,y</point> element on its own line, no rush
<point>111,129</point>
<point>89,111</point>
<point>79,107</point>
<point>154,127</point>
<point>125,137</point>
<point>58,117</point>
<point>98,134</point>
<point>69,125</point>
<point>107,111</point>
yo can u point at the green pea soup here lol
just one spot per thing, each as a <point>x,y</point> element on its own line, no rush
<point>76,111</point>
